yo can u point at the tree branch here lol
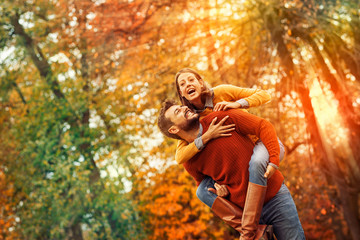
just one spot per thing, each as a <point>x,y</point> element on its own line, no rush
<point>294,147</point>
<point>37,56</point>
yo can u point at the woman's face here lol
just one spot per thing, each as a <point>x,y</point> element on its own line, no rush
<point>189,86</point>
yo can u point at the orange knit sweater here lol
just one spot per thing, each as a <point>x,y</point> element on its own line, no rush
<point>226,159</point>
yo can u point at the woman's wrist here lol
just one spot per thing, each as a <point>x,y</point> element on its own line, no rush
<point>243,103</point>
<point>199,143</point>
<point>205,137</point>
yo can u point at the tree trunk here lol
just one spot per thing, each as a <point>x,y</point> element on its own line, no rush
<point>350,207</point>
<point>37,57</point>
<point>347,55</point>
<point>345,106</point>
<point>355,24</point>
<point>76,232</point>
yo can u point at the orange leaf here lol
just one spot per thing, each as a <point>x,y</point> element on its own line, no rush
<point>323,211</point>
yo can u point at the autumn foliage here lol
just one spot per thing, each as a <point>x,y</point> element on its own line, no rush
<point>172,210</point>
<point>81,83</point>
<point>7,213</point>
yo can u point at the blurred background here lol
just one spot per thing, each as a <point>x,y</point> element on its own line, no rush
<point>82,82</point>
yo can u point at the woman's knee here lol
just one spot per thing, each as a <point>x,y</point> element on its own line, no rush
<point>258,162</point>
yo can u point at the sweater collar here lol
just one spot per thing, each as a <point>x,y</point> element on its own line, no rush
<point>208,102</point>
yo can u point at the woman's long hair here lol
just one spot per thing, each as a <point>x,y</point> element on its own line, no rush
<point>204,92</point>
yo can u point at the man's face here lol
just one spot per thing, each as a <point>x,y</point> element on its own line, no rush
<point>182,117</point>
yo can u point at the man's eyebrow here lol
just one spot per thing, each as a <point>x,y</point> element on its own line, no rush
<point>177,108</point>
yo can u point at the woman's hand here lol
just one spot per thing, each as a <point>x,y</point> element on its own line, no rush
<point>270,170</point>
<point>217,130</point>
<point>220,190</point>
<point>222,106</point>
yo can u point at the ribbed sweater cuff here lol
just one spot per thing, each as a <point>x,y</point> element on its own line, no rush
<point>243,103</point>
<point>273,161</point>
<point>199,143</point>
<point>274,165</point>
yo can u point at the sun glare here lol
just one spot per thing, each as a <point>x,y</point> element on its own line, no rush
<point>327,115</point>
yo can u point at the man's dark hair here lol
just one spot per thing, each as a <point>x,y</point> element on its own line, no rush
<point>165,123</point>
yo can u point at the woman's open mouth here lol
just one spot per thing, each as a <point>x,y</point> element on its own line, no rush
<point>191,91</point>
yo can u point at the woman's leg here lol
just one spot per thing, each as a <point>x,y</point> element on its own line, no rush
<point>259,162</point>
<point>256,189</point>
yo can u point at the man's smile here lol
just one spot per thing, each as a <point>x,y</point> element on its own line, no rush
<point>188,113</point>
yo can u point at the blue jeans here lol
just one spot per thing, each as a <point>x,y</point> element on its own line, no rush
<point>280,211</point>
<point>259,162</point>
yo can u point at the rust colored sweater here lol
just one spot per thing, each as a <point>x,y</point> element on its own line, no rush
<point>226,159</point>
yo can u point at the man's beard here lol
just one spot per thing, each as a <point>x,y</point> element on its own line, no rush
<point>190,124</point>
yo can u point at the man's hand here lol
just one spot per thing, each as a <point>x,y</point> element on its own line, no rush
<point>222,106</point>
<point>270,170</point>
<point>217,130</point>
<point>219,190</point>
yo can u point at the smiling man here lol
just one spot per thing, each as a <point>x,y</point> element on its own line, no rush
<point>226,161</point>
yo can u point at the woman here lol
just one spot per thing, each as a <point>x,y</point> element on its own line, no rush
<point>195,93</point>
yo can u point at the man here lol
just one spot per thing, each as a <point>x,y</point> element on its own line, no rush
<point>226,161</point>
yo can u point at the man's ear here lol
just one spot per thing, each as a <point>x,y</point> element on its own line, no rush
<point>173,130</point>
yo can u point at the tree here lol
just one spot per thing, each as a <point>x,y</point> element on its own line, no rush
<point>62,149</point>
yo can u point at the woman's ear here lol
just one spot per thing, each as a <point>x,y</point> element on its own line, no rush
<point>173,130</point>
